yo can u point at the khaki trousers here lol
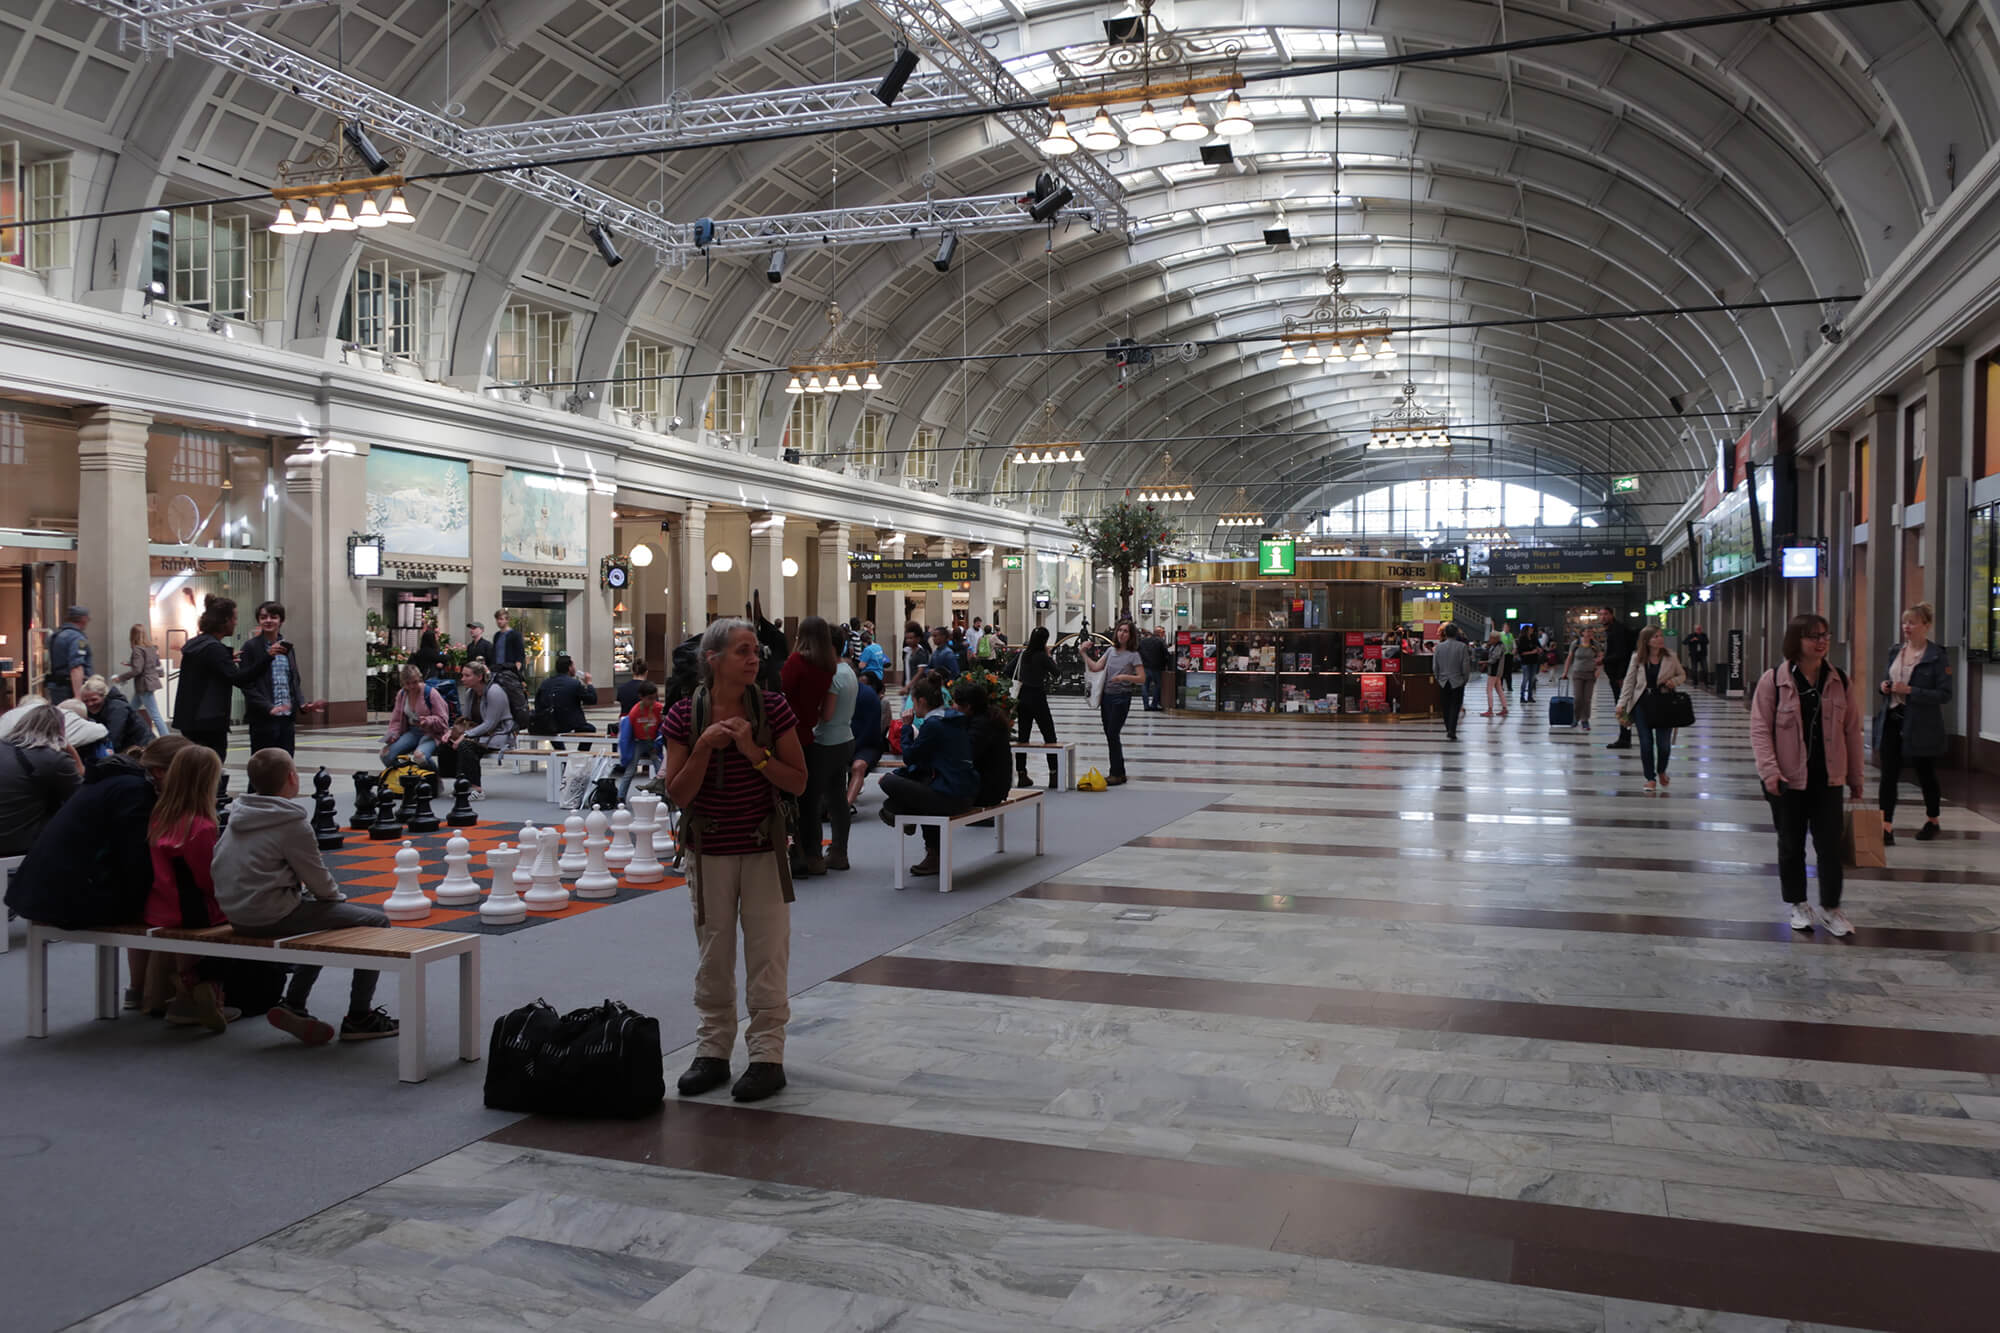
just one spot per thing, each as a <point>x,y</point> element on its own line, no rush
<point>744,888</point>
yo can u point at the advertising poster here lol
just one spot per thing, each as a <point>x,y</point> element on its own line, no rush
<point>1374,693</point>
<point>418,503</point>
<point>1199,693</point>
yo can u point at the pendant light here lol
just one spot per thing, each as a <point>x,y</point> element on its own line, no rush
<point>314,222</point>
<point>398,210</point>
<point>1287,357</point>
<point>872,382</point>
<point>1145,130</point>
<point>1235,118</point>
<point>285,224</point>
<point>1058,142</point>
<point>793,386</point>
<point>813,385</point>
<point>1102,135</point>
<point>1310,356</point>
<point>1190,128</point>
<point>370,214</point>
<point>339,219</point>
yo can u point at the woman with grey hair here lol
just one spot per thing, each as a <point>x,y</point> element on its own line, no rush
<point>38,771</point>
<point>733,753</point>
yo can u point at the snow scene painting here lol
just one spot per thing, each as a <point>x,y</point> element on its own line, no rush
<point>419,504</point>
<point>544,520</point>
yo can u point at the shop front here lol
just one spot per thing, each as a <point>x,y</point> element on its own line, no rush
<point>1313,638</point>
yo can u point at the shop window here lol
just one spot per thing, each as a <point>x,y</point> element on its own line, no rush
<point>395,313</point>
<point>805,425</point>
<point>535,347</point>
<point>30,191</point>
<point>964,472</point>
<point>729,405</point>
<point>198,460</point>
<point>920,463</point>
<point>871,434</point>
<point>206,488</point>
<point>640,365</point>
<point>1913,454</point>
<point>1986,418</point>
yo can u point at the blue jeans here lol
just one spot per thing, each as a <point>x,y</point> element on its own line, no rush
<point>1153,677</point>
<point>1655,743</point>
<point>149,702</point>
<point>411,742</point>
<point>654,754</point>
<point>1116,708</point>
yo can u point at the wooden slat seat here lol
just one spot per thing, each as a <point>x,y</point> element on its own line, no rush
<point>375,941</point>
<point>214,934</point>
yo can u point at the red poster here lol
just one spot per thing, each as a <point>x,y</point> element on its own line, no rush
<point>1372,653</point>
<point>1182,638</point>
<point>1354,638</point>
<point>1432,628</point>
<point>1392,665</point>
<point>1374,694</point>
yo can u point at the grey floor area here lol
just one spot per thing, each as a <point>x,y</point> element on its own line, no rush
<point>131,1152</point>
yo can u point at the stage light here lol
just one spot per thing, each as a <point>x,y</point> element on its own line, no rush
<point>1045,209</point>
<point>600,236</point>
<point>774,271</point>
<point>891,87</point>
<point>947,247</point>
<point>357,139</point>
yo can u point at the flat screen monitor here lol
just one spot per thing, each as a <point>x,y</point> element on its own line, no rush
<point>1799,562</point>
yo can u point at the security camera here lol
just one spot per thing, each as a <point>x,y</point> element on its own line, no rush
<point>1831,333</point>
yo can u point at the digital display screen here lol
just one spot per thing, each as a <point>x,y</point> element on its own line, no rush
<point>1799,562</point>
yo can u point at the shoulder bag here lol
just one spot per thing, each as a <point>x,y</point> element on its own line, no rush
<point>601,1061</point>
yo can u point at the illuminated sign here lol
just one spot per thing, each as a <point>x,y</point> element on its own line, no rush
<point>1277,556</point>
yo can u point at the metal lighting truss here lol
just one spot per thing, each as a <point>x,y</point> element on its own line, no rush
<point>964,60</point>
<point>255,56</point>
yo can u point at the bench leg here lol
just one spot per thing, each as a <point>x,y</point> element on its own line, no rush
<point>1000,833</point>
<point>944,856</point>
<point>555,771</point>
<point>38,984</point>
<point>468,1005</point>
<point>1038,827</point>
<point>107,981</point>
<point>896,854</point>
<point>412,1066</point>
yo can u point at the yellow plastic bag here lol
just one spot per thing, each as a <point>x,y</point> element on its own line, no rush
<point>1092,781</point>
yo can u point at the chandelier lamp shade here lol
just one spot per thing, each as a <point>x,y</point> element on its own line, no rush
<point>1147,64</point>
<point>1409,425</point>
<point>1058,142</point>
<point>1243,515</point>
<point>1166,488</point>
<point>1047,443</point>
<point>843,358</point>
<point>1337,332</point>
<point>1025,456</point>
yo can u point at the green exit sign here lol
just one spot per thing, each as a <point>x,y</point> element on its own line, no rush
<point>1625,484</point>
<point>1010,562</point>
<point>1276,556</point>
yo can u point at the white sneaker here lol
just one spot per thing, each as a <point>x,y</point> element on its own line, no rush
<point>1801,917</point>
<point>1837,924</point>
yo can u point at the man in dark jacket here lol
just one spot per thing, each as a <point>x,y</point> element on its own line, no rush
<point>477,647</point>
<point>937,776</point>
<point>124,726</point>
<point>69,657</point>
<point>1153,657</point>
<point>274,695</point>
<point>91,865</point>
<point>1618,644</point>
<point>560,700</point>
<point>510,649</point>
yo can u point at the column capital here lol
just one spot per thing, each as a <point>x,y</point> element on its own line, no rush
<point>1943,358</point>
<point>829,527</point>
<point>485,467</point>
<point>106,422</point>
<point>696,511</point>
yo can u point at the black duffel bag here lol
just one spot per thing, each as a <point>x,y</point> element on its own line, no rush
<point>603,1061</point>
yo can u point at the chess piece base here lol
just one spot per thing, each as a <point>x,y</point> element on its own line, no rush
<point>457,897</point>
<point>381,832</point>
<point>507,916</point>
<point>412,913</point>
<point>545,900</point>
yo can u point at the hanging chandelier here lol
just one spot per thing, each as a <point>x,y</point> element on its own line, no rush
<point>322,183</point>
<point>839,362</point>
<point>1242,516</point>
<point>1050,445</point>
<point>1168,488</point>
<point>1142,61</point>
<point>1337,332</point>
<point>1409,425</point>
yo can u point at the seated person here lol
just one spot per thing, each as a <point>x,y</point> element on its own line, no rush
<point>937,776</point>
<point>418,721</point>
<point>560,700</point>
<point>870,735</point>
<point>125,727</point>
<point>486,728</point>
<point>271,882</point>
<point>39,769</point>
<point>992,749</point>
<point>183,832</point>
<point>641,735</point>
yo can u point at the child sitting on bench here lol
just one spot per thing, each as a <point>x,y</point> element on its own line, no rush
<point>272,883</point>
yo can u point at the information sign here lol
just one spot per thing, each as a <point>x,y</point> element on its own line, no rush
<point>914,575</point>
<point>1010,562</point>
<point>1277,556</point>
<point>1584,558</point>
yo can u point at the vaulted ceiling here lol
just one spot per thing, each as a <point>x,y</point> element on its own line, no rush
<point>1754,162</point>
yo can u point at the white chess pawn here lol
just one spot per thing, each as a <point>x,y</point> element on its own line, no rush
<point>547,893</point>
<point>503,907</point>
<point>596,881</point>
<point>664,845</point>
<point>408,902</point>
<point>644,867</point>
<point>524,869</point>
<point>458,886</point>
<point>571,863</point>
<point>620,851</point>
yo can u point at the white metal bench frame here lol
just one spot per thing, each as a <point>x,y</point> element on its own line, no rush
<point>411,1048</point>
<point>1065,757</point>
<point>1016,801</point>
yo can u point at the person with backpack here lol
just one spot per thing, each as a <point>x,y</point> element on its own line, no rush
<point>733,754</point>
<point>69,657</point>
<point>1805,731</point>
<point>639,734</point>
<point>418,721</point>
<point>510,647</point>
<point>628,693</point>
<point>560,700</point>
<point>487,727</point>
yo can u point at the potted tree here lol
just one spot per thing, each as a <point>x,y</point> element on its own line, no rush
<point>1123,537</point>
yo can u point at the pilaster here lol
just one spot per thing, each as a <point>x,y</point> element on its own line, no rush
<point>483,583</point>
<point>690,596</point>
<point>325,503</point>
<point>767,560</point>
<point>834,601</point>
<point>113,570</point>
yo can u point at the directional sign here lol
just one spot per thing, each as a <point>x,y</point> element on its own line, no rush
<point>1624,484</point>
<point>1525,562</point>
<point>912,575</point>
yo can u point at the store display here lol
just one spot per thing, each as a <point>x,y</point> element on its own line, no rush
<point>1301,672</point>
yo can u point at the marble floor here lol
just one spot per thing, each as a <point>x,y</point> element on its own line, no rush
<point>1394,1033</point>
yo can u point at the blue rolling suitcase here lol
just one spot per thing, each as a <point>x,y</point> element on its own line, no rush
<point>1562,707</point>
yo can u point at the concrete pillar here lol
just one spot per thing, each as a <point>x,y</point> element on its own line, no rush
<point>1020,617</point>
<point>690,586</point>
<point>326,501</point>
<point>589,611</point>
<point>113,571</point>
<point>834,599</point>
<point>1876,624</point>
<point>482,589</point>
<point>1947,454</point>
<point>767,558</point>
<point>937,601</point>
<point>979,599</point>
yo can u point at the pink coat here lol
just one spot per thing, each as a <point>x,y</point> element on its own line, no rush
<point>1779,742</point>
<point>433,719</point>
<point>195,845</point>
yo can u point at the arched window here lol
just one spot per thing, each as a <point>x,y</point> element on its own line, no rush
<point>1448,504</point>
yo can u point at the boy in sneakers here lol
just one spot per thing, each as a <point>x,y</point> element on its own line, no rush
<point>270,882</point>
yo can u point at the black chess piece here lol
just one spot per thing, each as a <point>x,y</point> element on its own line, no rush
<point>365,787</point>
<point>390,817</point>
<point>423,819</point>
<point>603,796</point>
<point>461,815</point>
<point>222,800</point>
<point>325,820</point>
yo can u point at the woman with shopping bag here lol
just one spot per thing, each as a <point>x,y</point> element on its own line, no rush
<point>1805,730</point>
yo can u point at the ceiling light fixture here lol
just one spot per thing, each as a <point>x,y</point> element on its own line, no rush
<point>1101,135</point>
<point>1235,118</point>
<point>1145,130</point>
<point>1058,142</point>
<point>1190,127</point>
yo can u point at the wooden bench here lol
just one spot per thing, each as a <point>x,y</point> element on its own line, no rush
<point>8,864</point>
<point>1020,799</point>
<point>1065,754</point>
<point>401,950</point>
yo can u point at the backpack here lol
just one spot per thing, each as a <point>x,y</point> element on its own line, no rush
<point>645,718</point>
<point>685,676</point>
<point>517,699</point>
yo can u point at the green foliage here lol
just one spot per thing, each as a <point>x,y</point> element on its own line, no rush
<point>1124,537</point>
<point>993,682</point>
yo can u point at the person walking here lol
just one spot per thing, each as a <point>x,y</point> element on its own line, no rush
<point>1494,665</point>
<point>210,674</point>
<point>1617,659</point>
<point>1580,670</point>
<point>69,657</point>
<point>1696,647</point>
<point>1153,656</point>
<point>1531,665</point>
<point>1032,670</point>
<point>820,688</point>
<point>1122,673</point>
<point>142,668</point>
<point>1805,731</point>
<point>274,695</point>
<point>1654,671</point>
<point>733,749</point>
<point>1451,664</point>
<point>1915,688</point>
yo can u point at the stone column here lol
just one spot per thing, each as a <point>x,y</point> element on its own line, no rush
<point>767,559</point>
<point>326,501</point>
<point>690,586</point>
<point>482,589</point>
<point>1020,618</point>
<point>590,613</point>
<point>1947,455</point>
<point>937,601</point>
<point>834,602</point>
<point>113,571</point>
<point>1878,621</point>
<point>979,600</point>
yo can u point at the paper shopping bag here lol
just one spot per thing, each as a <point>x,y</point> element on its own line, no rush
<point>1861,841</point>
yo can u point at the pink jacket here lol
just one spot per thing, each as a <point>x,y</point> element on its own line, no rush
<point>1779,742</point>
<point>434,719</point>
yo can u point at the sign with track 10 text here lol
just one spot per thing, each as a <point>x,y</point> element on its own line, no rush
<point>914,575</point>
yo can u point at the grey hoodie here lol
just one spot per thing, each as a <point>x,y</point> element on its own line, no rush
<point>265,859</point>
